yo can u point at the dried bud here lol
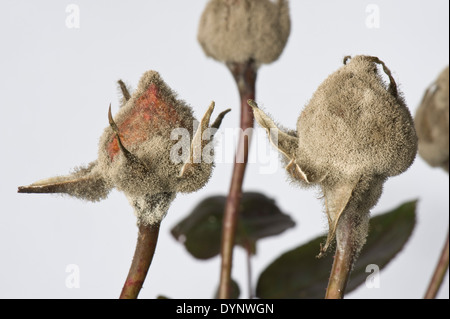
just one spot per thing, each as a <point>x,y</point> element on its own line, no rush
<point>355,132</point>
<point>243,30</point>
<point>136,153</point>
<point>432,123</point>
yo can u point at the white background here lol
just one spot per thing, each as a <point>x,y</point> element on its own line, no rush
<point>56,84</point>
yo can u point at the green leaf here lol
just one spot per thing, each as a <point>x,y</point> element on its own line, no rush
<point>234,293</point>
<point>299,274</point>
<point>201,230</point>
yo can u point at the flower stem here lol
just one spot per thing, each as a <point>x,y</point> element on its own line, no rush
<point>343,262</point>
<point>143,255</point>
<point>245,76</point>
<point>248,250</point>
<point>439,273</point>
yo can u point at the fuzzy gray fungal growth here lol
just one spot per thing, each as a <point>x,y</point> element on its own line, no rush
<point>151,209</point>
<point>432,123</point>
<point>355,132</point>
<point>135,153</point>
<point>243,30</point>
<point>85,183</point>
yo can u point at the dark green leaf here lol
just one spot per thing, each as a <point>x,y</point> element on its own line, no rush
<point>200,231</point>
<point>235,290</point>
<point>299,274</point>
<point>259,217</point>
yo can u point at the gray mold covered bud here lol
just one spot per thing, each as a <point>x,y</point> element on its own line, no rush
<point>243,30</point>
<point>432,122</point>
<point>354,126</point>
<point>355,132</point>
<point>144,125</point>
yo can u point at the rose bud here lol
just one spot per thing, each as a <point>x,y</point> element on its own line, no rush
<point>432,121</point>
<point>135,153</point>
<point>242,30</point>
<point>355,132</point>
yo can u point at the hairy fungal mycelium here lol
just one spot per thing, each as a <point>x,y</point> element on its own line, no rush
<point>355,132</point>
<point>135,153</point>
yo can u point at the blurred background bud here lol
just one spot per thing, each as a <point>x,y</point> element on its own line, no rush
<point>242,30</point>
<point>432,120</point>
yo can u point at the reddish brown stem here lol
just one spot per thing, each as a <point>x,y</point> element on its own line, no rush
<point>245,76</point>
<point>343,262</point>
<point>250,251</point>
<point>143,255</point>
<point>439,273</point>
<point>339,275</point>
